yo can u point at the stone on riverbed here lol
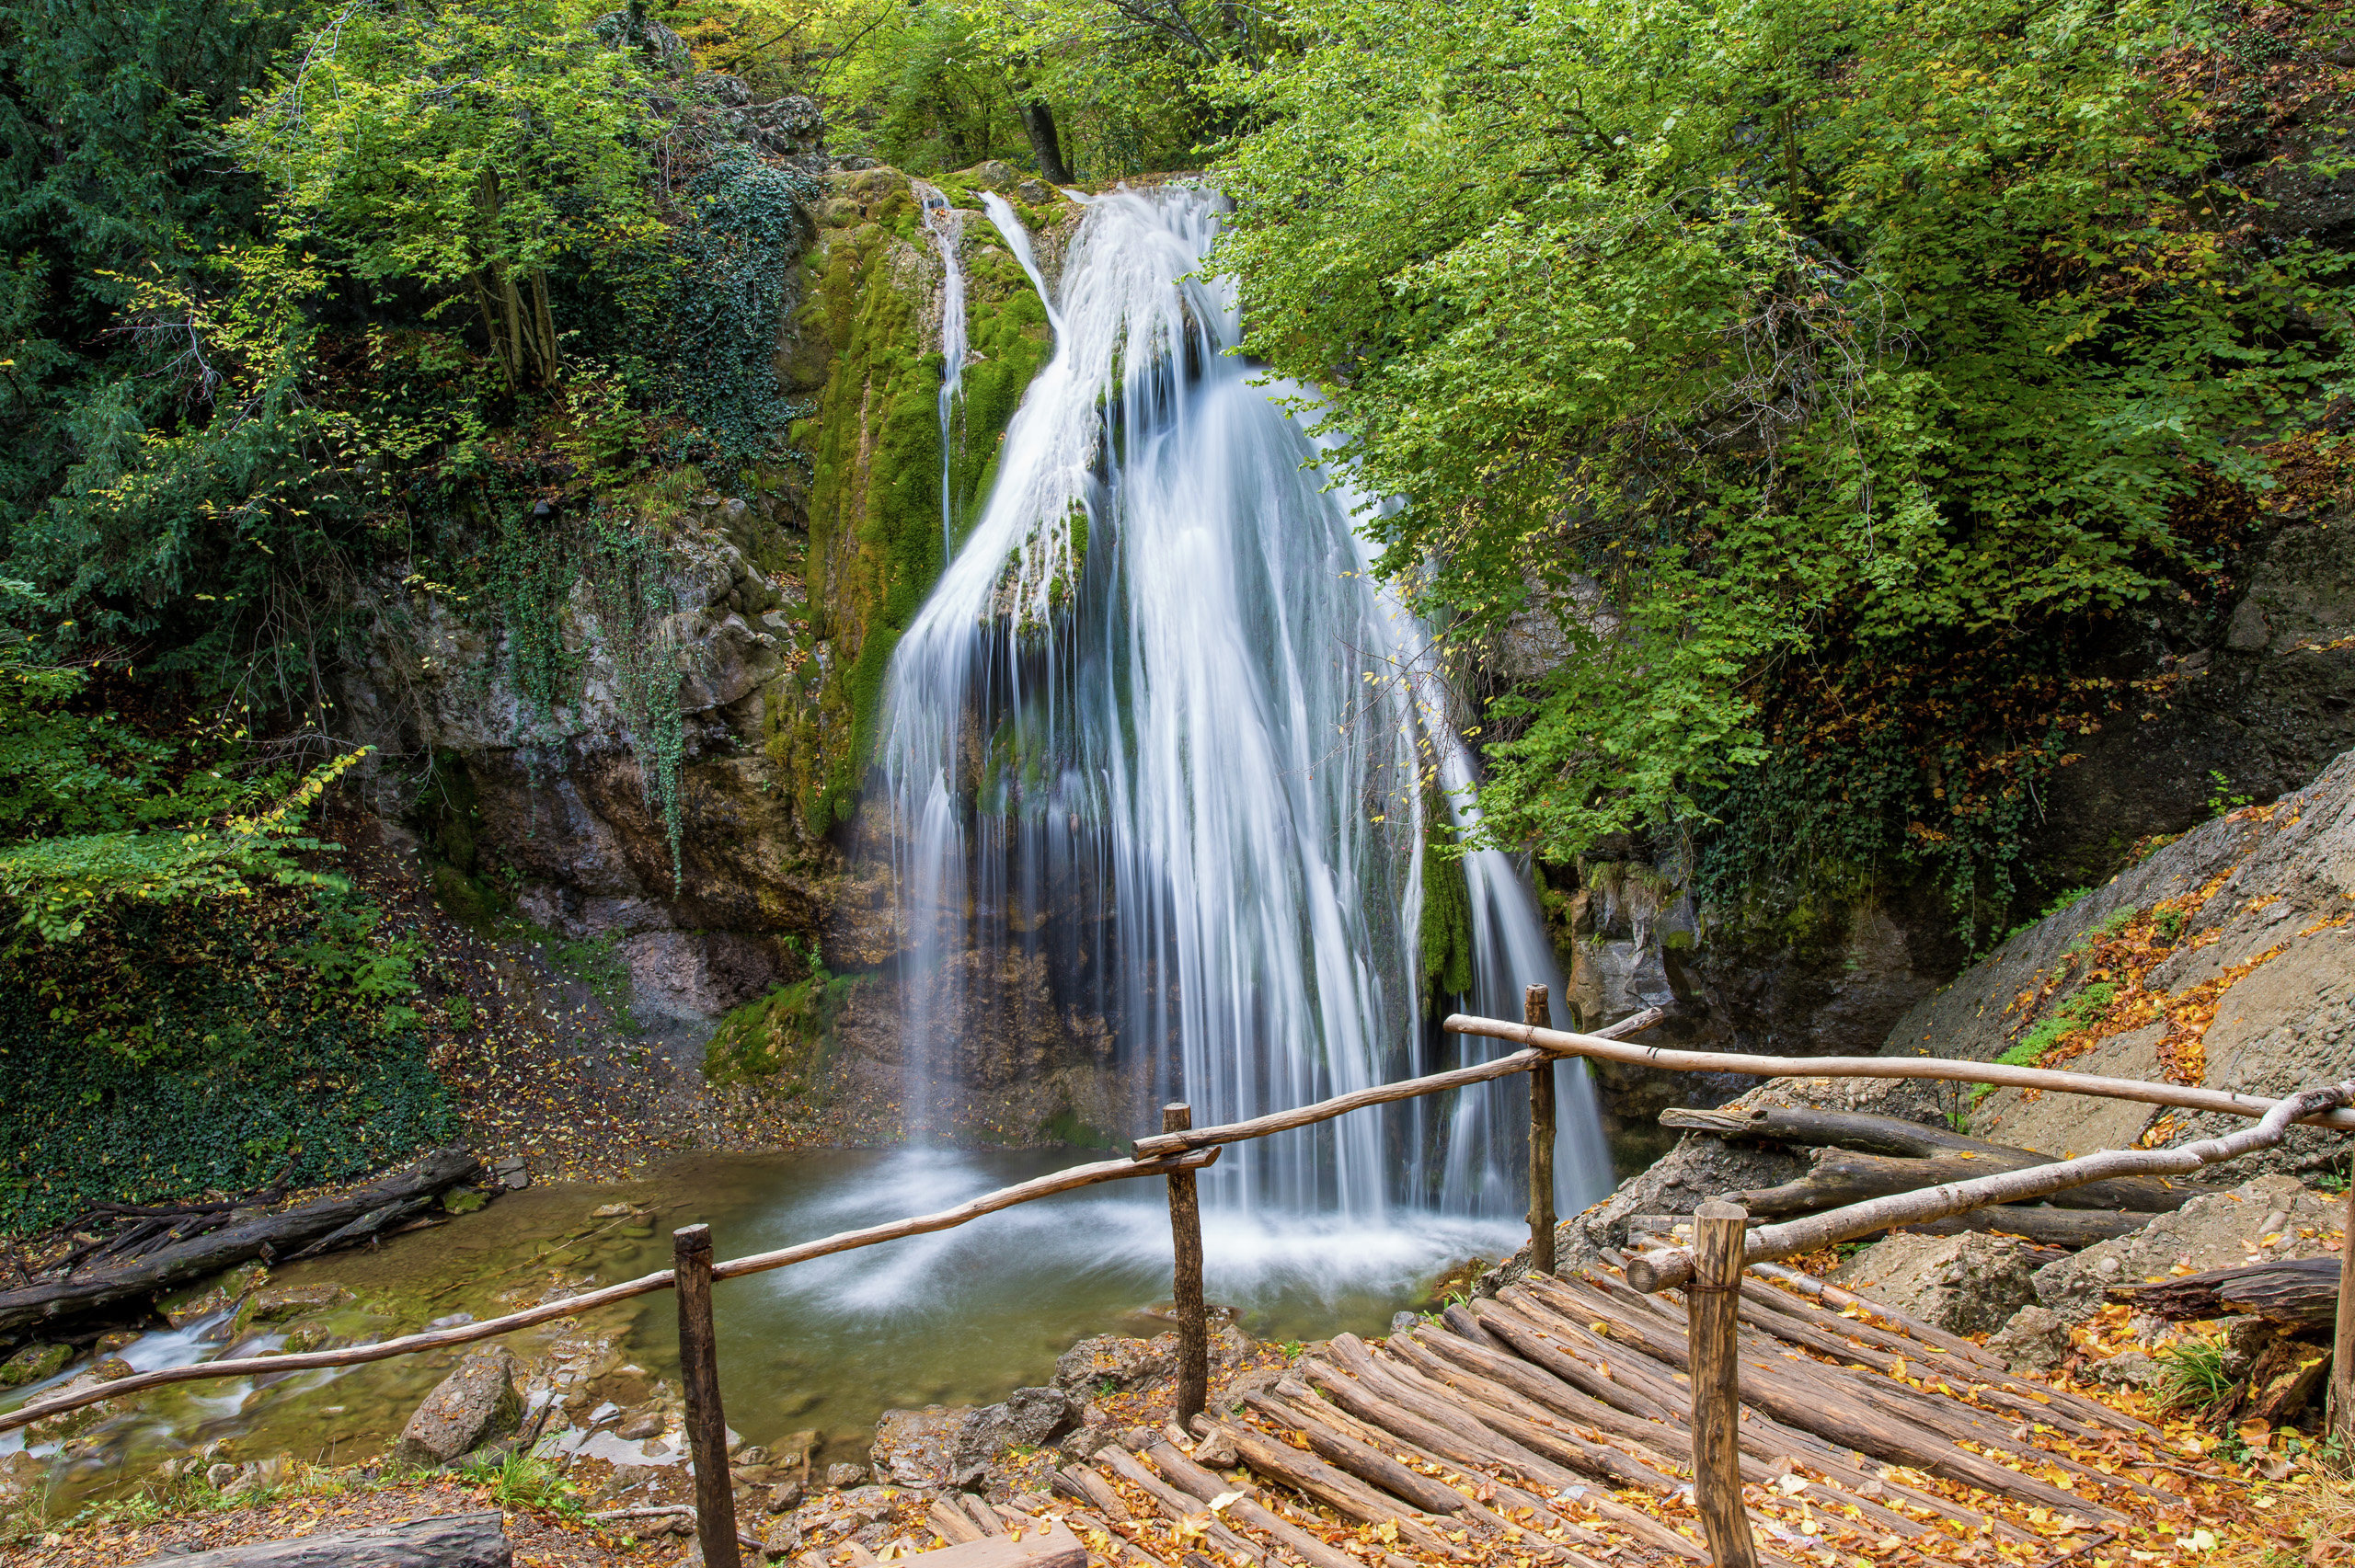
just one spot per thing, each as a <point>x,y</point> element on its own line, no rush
<point>33,1363</point>
<point>1124,1363</point>
<point>474,1405</point>
<point>280,1302</point>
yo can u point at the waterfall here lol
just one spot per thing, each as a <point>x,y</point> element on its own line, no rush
<point>1153,755</point>
<point>947,226</point>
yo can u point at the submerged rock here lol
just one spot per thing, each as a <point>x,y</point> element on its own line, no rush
<point>34,1363</point>
<point>280,1302</point>
<point>474,1405</point>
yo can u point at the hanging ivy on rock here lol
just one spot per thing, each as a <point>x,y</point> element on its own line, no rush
<point>612,575</point>
<point>743,232</point>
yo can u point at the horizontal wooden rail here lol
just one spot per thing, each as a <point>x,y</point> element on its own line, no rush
<point>1162,1145</point>
<point>646,1285</point>
<point>1601,1046</point>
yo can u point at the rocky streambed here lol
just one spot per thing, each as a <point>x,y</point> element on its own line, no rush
<point>811,1358</point>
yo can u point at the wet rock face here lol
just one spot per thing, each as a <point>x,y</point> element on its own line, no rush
<point>476,1404</point>
<point>1967,1283</point>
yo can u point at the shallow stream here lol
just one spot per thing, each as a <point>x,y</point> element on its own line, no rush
<point>958,1317</point>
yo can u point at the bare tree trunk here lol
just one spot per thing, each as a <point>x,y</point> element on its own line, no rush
<point>1038,122</point>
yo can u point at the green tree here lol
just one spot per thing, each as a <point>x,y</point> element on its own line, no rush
<point>1748,338</point>
<point>465,148</point>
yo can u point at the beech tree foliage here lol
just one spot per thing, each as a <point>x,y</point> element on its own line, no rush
<point>1748,338</point>
<point>461,147</point>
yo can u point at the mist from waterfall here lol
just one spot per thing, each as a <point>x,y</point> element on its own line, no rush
<point>1156,753</point>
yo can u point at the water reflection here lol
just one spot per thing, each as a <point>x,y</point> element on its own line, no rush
<point>959,1316</point>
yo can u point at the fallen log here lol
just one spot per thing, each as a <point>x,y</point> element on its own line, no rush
<point>447,1540</point>
<point>265,1236</point>
<point>2299,1294</point>
<point>1345,1494</point>
<point>1843,1175</point>
<point>2073,1229</point>
<point>1895,1137</point>
<point>1668,1270</point>
<point>1178,1508</point>
<point>1809,1399</point>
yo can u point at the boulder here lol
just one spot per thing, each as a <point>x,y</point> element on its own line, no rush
<point>34,1363</point>
<point>1027,1416</point>
<point>912,1446</point>
<point>2220,1232</point>
<point>1124,1363</point>
<point>279,1302</point>
<point>1965,1284</point>
<point>841,1476</point>
<point>2130,1370</point>
<point>2036,1340</point>
<point>474,1405</point>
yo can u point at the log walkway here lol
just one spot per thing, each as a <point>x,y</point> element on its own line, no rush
<point>1550,1425</point>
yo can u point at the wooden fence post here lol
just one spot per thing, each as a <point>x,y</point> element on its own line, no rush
<point>2341,1407</point>
<point>1186,1243</point>
<point>1541,1142</point>
<point>699,1372</point>
<point>1711,1303</point>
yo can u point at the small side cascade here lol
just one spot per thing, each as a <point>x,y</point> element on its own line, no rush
<point>1018,240</point>
<point>946,225</point>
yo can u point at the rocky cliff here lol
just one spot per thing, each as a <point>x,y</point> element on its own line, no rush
<point>529,750</point>
<point>2225,959</point>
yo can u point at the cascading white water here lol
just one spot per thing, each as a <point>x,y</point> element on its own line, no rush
<point>947,226</point>
<point>1151,751</point>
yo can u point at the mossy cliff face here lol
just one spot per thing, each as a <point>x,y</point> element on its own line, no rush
<point>780,606</point>
<point>867,344</point>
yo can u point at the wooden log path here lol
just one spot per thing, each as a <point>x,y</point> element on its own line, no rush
<point>1551,1425</point>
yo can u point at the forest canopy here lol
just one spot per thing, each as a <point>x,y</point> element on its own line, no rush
<point>1834,375</point>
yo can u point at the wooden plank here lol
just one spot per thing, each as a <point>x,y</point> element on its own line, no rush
<point>1052,1545</point>
<point>1247,1510</point>
<point>1379,1094</point>
<point>445,1541</point>
<point>2340,1417</point>
<point>699,1374</point>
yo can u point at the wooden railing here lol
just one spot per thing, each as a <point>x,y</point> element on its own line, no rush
<point>1180,1149</point>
